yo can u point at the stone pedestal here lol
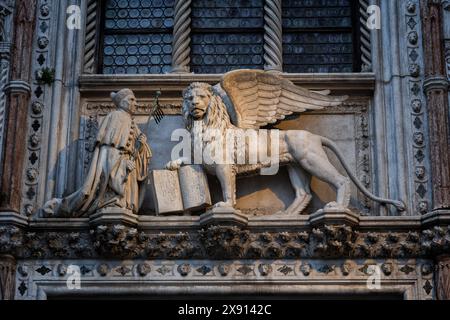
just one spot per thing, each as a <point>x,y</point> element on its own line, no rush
<point>443,278</point>
<point>7,277</point>
<point>334,216</point>
<point>114,216</point>
<point>224,216</point>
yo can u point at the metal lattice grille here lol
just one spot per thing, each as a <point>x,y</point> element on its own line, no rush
<point>137,36</point>
<point>227,35</point>
<point>318,36</point>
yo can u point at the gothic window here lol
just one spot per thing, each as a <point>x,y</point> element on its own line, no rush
<point>319,36</point>
<point>227,35</point>
<point>137,36</point>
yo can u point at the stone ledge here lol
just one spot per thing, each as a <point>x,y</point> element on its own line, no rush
<point>354,82</point>
<point>13,219</point>
<point>167,223</point>
<point>437,217</point>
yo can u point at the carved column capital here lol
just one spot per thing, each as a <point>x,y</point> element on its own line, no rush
<point>7,277</point>
<point>273,41</point>
<point>18,87</point>
<point>182,37</point>
<point>436,83</point>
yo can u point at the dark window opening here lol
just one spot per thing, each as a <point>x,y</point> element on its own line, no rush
<point>320,36</point>
<point>227,35</point>
<point>137,36</point>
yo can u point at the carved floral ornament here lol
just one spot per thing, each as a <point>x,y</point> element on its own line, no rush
<point>222,242</point>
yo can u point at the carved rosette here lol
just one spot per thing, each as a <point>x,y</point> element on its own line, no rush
<point>417,109</point>
<point>181,37</point>
<point>273,42</point>
<point>37,109</point>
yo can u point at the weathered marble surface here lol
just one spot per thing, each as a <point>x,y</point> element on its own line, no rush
<point>405,279</point>
<point>118,168</point>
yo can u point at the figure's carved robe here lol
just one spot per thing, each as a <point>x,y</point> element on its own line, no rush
<point>108,182</point>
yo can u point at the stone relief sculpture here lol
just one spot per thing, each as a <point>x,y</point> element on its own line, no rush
<point>119,166</point>
<point>253,99</point>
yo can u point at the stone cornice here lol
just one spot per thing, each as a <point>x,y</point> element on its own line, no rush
<point>90,84</point>
<point>189,223</point>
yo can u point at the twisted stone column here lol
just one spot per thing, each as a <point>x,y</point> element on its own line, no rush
<point>90,46</point>
<point>273,33</point>
<point>7,277</point>
<point>366,48</point>
<point>181,37</point>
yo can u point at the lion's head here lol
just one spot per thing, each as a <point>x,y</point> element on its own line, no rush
<point>197,98</point>
<point>201,103</point>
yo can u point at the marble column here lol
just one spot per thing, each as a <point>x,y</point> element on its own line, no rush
<point>17,99</point>
<point>7,277</point>
<point>273,36</point>
<point>5,55</point>
<point>436,88</point>
<point>443,278</point>
<point>182,37</point>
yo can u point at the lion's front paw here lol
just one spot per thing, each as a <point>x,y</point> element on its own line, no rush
<point>174,165</point>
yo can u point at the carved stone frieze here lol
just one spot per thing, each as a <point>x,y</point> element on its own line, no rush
<point>225,242</point>
<point>322,274</point>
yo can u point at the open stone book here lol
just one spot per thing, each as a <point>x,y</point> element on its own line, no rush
<point>185,189</point>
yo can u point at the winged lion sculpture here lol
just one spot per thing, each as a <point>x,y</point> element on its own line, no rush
<point>254,99</point>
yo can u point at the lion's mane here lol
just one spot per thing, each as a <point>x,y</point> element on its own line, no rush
<point>216,116</point>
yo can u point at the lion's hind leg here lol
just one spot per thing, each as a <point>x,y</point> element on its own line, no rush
<point>300,181</point>
<point>315,161</point>
<point>318,165</point>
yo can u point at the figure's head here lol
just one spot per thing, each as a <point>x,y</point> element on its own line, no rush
<point>125,100</point>
<point>197,98</point>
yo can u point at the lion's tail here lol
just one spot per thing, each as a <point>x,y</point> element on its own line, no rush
<point>333,147</point>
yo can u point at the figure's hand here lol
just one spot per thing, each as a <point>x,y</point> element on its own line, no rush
<point>174,165</point>
<point>131,165</point>
<point>142,138</point>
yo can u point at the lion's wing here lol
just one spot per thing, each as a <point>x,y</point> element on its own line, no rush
<point>261,98</point>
